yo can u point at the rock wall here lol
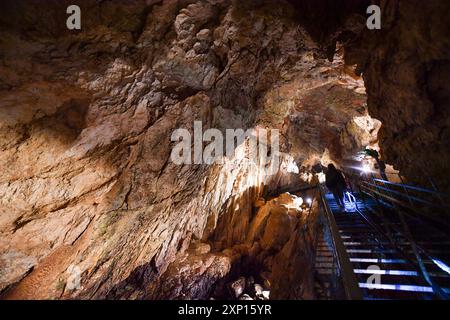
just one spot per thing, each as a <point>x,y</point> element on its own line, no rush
<point>405,69</point>
<point>84,193</point>
<point>87,183</point>
<point>407,80</point>
<point>274,259</point>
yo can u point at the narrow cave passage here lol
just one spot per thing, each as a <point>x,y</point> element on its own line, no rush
<point>185,150</point>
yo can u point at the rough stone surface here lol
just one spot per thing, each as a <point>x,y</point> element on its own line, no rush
<point>405,69</point>
<point>411,97</point>
<point>86,119</point>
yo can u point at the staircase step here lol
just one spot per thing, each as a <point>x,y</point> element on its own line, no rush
<point>375,260</point>
<point>399,287</point>
<point>387,272</point>
<point>366,247</point>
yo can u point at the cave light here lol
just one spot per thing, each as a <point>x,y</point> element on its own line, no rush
<point>365,168</point>
<point>308,201</point>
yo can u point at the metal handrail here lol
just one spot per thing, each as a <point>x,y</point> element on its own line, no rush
<point>380,189</point>
<point>417,250</point>
<point>408,186</point>
<point>398,202</point>
<point>350,282</point>
<point>393,196</point>
<point>399,193</point>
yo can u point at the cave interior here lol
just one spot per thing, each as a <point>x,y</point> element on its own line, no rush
<point>96,204</point>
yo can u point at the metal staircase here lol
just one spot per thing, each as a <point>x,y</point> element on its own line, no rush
<point>393,251</point>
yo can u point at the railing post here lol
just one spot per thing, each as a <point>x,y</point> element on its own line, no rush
<point>350,282</point>
<point>407,193</point>
<point>383,191</point>
<point>433,185</point>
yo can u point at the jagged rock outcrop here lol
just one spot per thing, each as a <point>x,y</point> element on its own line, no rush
<point>276,258</point>
<point>407,80</point>
<point>405,69</point>
<point>86,119</point>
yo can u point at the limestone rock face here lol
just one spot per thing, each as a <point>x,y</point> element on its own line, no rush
<point>278,229</point>
<point>275,260</point>
<point>88,190</point>
<point>191,276</point>
<point>86,119</point>
<point>411,97</point>
<point>405,69</point>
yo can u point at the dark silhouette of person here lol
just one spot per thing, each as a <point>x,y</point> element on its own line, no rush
<point>381,165</point>
<point>335,181</point>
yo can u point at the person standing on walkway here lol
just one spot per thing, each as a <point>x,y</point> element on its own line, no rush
<point>335,181</point>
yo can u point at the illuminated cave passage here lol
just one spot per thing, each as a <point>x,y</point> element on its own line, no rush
<point>92,205</point>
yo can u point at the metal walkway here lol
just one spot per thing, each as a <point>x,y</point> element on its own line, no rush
<point>373,256</point>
